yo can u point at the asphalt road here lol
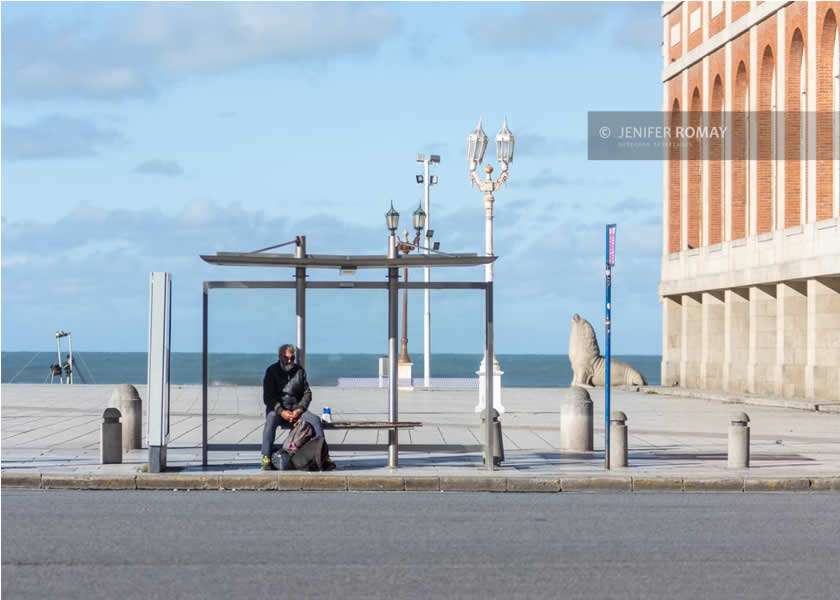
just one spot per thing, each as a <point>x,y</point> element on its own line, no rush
<point>253,545</point>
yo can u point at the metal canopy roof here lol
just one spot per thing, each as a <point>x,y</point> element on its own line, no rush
<point>331,261</point>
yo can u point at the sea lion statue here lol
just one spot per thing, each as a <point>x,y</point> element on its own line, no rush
<point>588,365</point>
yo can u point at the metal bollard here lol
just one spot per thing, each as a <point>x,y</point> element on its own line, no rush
<point>618,439</point>
<point>126,398</point>
<point>110,438</point>
<point>576,421</point>
<point>739,441</point>
<point>498,446</point>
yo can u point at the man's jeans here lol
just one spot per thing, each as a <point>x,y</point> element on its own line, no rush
<point>273,421</point>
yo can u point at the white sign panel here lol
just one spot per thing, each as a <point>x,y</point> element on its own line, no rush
<point>160,312</point>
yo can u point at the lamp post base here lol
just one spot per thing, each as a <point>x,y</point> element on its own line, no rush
<point>497,387</point>
<point>404,379</point>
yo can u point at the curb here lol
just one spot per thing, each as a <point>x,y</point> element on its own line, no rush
<point>311,482</point>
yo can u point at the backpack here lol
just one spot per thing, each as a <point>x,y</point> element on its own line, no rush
<point>302,451</point>
<point>301,433</point>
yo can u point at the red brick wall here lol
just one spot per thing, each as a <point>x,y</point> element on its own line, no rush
<point>675,52</point>
<point>695,38</point>
<point>718,22</point>
<point>739,9</point>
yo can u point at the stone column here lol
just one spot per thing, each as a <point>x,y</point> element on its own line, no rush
<point>822,375</point>
<point>736,339</point>
<point>712,336</point>
<point>762,348</point>
<point>691,328</point>
<point>671,340</point>
<point>811,338</point>
<point>791,334</point>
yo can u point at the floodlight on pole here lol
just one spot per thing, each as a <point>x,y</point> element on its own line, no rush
<point>428,181</point>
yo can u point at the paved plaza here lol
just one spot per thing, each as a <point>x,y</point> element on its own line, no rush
<point>54,430</point>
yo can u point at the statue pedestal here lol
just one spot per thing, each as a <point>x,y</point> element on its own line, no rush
<point>497,387</point>
<point>404,380</point>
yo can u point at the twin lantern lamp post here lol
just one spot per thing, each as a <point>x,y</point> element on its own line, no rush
<point>392,220</point>
<point>476,146</point>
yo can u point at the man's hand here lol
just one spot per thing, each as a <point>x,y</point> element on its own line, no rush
<point>287,415</point>
<point>297,413</point>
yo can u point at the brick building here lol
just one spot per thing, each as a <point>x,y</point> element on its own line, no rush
<point>750,286</point>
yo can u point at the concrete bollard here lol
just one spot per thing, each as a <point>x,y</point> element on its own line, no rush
<point>126,398</point>
<point>110,438</point>
<point>739,441</point>
<point>576,421</point>
<point>618,439</point>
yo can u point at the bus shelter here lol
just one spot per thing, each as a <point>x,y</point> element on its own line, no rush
<point>300,261</point>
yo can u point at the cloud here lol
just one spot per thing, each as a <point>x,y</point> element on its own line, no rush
<point>97,261</point>
<point>640,28</point>
<point>635,206</point>
<point>548,178</point>
<point>539,145</point>
<point>156,166</point>
<point>560,25</point>
<point>57,136</point>
<point>537,26</point>
<point>134,51</point>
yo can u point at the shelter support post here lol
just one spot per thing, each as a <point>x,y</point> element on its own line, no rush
<point>300,311</point>
<point>300,302</point>
<point>393,398</point>
<point>488,381</point>
<point>204,376</point>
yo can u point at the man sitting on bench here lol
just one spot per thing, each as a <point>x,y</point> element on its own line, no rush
<point>286,396</point>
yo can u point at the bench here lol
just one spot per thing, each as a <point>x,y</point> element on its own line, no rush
<point>457,448</point>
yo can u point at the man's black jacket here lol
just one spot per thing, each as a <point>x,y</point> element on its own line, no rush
<point>288,388</point>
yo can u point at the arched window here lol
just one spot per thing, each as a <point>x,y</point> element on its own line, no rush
<point>716,183</point>
<point>835,110</point>
<point>674,185</point>
<point>827,125</point>
<point>694,225</point>
<point>796,148</point>
<point>740,154</point>
<point>766,143</point>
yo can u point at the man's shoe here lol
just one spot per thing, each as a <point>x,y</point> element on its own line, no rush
<point>266,464</point>
<point>329,465</point>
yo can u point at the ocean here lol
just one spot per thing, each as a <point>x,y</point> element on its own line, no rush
<point>520,370</point>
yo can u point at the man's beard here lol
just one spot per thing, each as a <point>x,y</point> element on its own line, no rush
<point>287,366</point>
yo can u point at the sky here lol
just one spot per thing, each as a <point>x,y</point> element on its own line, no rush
<point>138,136</point>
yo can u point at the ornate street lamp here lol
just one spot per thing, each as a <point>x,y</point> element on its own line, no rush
<point>476,145</point>
<point>419,222</point>
<point>392,221</point>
